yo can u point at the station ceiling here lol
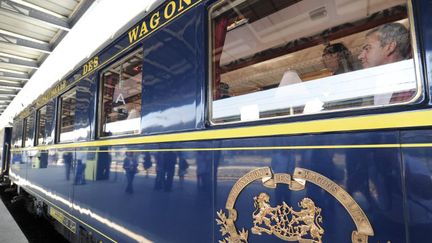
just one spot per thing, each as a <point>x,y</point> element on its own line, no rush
<point>29,31</point>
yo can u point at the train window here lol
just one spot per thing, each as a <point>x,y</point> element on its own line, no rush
<point>273,58</point>
<point>28,131</point>
<point>41,126</point>
<point>121,97</point>
<point>44,122</point>
<point>17,133</point>
<point>67,116</point>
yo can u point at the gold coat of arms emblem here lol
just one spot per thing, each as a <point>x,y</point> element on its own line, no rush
<point>303,225</point>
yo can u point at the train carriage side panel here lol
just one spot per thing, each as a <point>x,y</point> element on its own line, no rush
<point>17,166</point>
<point>173,75</point>
<point>226,186</point>
<point>417,162</point>
<point>416,143</point>
<point>423,8</point>
<point>5,142</point>
<point>371,174</point>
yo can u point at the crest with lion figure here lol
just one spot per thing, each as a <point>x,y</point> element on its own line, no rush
<point>302,224</point>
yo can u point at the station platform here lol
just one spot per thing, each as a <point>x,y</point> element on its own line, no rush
<point>9,230</point>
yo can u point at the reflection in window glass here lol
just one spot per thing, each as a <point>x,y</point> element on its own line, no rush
<point>17,134</point>
<point>67,115</point>
<point>28,131</point>
<point>278,58</point>
<point>49,126</point>
<point>41,128</point>
<point>121,91</point>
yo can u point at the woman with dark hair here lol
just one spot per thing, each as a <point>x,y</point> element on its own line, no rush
<point>337,58</point>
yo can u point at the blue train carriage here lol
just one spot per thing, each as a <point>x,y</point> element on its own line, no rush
<point>241,121</point>
<point>5,141</point>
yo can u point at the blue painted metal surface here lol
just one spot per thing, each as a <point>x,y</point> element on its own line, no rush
<point>173,76</point>
<point>422,10</point>
<point>373,176</point>
<point>418,183</point>
<point>5,141</point>
<point>50,124</point>
<point>156,196</point>
<point>85,113</point>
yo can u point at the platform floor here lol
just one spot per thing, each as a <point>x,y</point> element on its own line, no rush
<point>9,230</point>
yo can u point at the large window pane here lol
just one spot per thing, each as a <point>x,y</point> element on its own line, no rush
<point>17,134</point>
<point>67,116</point>
<point>121,92</point>
<point>280,58</point>
<point>41,128</point>
<point>28,131</point>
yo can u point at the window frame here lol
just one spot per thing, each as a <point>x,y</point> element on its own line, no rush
<point>58,119</point>
<point>120,61</point>
<point>24,133</point>
<point>15,130</point>
<point>38,125</point>
<point>418,98</point>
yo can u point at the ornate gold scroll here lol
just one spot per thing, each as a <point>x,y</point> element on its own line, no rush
<point>283,220</point>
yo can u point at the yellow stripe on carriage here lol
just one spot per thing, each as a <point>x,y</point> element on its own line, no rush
<point>371,122</point>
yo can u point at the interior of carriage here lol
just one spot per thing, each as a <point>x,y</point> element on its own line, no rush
<point>121,102</point>
<point>269,57</point>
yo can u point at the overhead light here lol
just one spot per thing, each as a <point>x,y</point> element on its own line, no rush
<point>237,23</point>
<point>318,13</point>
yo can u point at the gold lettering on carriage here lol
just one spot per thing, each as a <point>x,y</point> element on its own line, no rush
<point>167,12</point>
<point>90,66</point>
<point>284,221</point>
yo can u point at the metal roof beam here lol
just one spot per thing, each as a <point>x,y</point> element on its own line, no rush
<point>10,86</point>
<point>2,98</point>
<point>9,39</point>
<point>7,84</point>
<point>7,92</point>
<point>83,7</point>
<point>11,81</point>
<point>10,96</point>
<point>4,54</point>
<point>11,75</point>
<point>45,18</point>
<point>19,62</point>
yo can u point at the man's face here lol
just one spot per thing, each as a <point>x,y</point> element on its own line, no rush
<point>372,53</point>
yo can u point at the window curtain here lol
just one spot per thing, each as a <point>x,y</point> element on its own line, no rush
<point>220,30</point>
